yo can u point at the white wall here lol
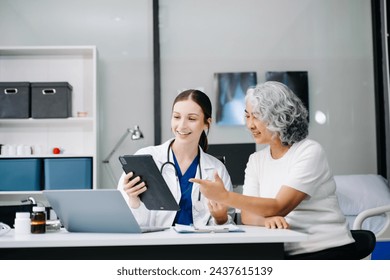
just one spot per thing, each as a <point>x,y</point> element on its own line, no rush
<point>329,38</point>
<point>122,32</point>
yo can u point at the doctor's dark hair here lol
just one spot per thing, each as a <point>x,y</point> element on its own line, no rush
<point>204,102</point>
<point>281,110</point>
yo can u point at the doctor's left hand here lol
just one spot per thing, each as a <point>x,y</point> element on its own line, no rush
<point>213,190</point>
<point>218,211</point>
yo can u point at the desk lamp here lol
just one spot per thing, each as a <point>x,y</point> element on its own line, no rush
<point>136,134</point>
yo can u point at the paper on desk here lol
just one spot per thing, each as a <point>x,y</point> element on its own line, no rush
<point>207,229</point>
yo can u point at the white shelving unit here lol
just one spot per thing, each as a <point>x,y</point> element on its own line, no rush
<point>76,136</point>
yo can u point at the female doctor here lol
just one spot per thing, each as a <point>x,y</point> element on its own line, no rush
<point>180,159</point>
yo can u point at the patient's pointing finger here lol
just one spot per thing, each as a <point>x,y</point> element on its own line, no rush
<point>198,181</point>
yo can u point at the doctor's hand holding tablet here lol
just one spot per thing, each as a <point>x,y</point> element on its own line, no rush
<point>134,188</point>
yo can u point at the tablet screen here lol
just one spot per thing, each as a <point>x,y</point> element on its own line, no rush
<point>158,195</point>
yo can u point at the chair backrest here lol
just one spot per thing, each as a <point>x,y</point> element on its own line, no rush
<point>365,243</point>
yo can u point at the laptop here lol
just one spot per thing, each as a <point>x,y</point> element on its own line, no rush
<point>98,211</point>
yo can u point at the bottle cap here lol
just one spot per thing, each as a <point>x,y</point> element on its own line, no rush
<point>23,215</point>
<point>38,209</point>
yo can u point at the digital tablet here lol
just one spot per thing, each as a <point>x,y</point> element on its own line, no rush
<point>158,196</point>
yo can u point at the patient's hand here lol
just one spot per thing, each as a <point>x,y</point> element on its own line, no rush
<point>276,222</point>
<point>133,188</point>
<point>213,190</point>
<point>218,211</point>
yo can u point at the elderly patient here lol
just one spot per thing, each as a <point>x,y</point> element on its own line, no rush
<point>289,180</point>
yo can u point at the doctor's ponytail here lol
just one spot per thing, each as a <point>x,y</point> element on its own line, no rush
<point>203,141</point>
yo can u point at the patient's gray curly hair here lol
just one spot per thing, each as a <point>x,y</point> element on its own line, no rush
<point>281,110</point>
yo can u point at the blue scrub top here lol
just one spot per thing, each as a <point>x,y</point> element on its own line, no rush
<point>184,215</point>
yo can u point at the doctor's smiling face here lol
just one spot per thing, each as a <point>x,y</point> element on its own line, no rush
<point>187,121</point>
<point>191,117</point>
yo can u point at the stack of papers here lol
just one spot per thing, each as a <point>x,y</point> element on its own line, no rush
<point>207,229</point>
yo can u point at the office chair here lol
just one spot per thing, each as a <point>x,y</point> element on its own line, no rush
<point>365,243</point>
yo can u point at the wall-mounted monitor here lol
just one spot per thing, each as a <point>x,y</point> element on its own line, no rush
<point>297,81</point>
<point>230,91</point>
<point>235,158</point>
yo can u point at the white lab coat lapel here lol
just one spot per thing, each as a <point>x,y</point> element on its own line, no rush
<point>168,172</point>
<point>200,210</point>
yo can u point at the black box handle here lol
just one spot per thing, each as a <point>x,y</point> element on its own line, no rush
<point>49,91</point>
<point>11,91</point>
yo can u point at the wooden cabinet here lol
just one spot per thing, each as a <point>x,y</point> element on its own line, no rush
<point>75,136</point>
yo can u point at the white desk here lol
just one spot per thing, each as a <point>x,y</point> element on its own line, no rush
<point>255,242</point>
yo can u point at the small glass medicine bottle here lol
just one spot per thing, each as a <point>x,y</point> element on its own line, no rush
<point>38,220</point>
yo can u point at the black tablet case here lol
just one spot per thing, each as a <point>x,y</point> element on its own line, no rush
<point>158,196</point>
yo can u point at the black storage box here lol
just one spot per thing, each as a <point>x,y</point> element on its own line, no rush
<point>15,100</point>
<point>51,100</point>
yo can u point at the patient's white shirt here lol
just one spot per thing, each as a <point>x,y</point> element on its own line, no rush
<point>304,167</point>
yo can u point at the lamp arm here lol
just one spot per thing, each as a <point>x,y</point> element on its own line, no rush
<point>107,159</point>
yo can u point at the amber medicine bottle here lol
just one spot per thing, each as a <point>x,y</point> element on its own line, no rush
<point>38,220</point>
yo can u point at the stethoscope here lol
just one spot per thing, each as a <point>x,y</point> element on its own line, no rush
<point>198,205</point>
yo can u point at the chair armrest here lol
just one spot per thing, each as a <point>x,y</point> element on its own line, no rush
<point>385,209</point>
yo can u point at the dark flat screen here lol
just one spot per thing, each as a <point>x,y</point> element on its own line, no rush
<point>235,157</point>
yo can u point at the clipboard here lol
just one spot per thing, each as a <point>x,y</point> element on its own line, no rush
<point>179,228</point>
<point>158,196</point>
